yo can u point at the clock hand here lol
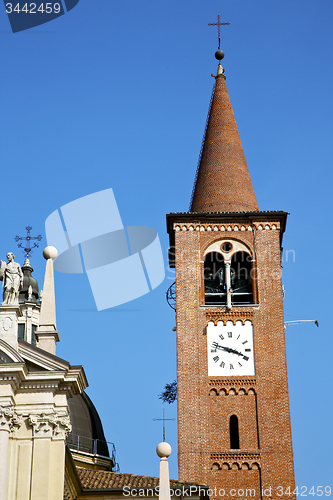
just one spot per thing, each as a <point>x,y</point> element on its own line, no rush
<point>236,352</point>
<point>218,346</point>
<point>227,349</point>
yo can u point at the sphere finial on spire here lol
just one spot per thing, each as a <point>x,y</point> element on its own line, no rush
<point>219,55</point>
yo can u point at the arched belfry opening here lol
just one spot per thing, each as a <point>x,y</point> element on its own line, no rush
<point>228,274</point>
<point>214,276</point>
<point>234,432</point>
<point>241,278</point>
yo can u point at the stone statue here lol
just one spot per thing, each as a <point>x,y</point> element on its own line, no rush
<point>12,277</point>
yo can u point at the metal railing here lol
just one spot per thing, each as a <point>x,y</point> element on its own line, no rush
<point>99,447</point>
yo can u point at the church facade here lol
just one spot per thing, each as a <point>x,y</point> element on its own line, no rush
<point>52,444</point>
<point>35,388</point>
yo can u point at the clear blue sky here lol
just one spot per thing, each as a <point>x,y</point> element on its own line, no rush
<point>115,94</point>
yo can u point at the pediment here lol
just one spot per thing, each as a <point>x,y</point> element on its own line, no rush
<point>34,369</point>
<point>38,360</point>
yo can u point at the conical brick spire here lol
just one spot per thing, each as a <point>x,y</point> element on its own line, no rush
<point>223,182</point>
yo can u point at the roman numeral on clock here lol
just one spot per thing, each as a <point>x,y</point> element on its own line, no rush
<point>221,336</point>
<point>216,358</point>
<point>231,366</point>
<point>222,365</point>
<point>229,334</point>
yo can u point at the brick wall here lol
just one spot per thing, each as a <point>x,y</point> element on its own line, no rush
<point>260,402</point>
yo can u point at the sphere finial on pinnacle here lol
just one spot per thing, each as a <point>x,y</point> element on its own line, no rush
<point>50,252</point>
<point>163,449</point>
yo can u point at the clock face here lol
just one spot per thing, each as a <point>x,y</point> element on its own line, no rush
<point>230,349</point>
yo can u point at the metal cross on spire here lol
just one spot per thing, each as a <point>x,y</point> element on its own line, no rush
<point>28,250</point>
<point>219,24</point>
<point>164,420</point>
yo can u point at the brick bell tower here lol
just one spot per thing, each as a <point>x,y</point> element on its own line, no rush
<point>233,407</point>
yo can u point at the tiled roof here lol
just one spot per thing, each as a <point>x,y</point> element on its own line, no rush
<point>97,479</point>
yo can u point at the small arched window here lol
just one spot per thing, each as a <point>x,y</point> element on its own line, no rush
<point>234,433</point>
<point>241,278</point>
<point>214,276</point>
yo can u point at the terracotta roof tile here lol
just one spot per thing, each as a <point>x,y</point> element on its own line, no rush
<point>96,479</point>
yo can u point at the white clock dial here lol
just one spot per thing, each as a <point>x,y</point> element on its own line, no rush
<point>230,349</point>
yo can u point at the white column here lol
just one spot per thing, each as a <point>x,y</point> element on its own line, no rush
<point>8,420</point>
<point>49,439</point>
<point>4,439</point>
<point>228,283</point>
